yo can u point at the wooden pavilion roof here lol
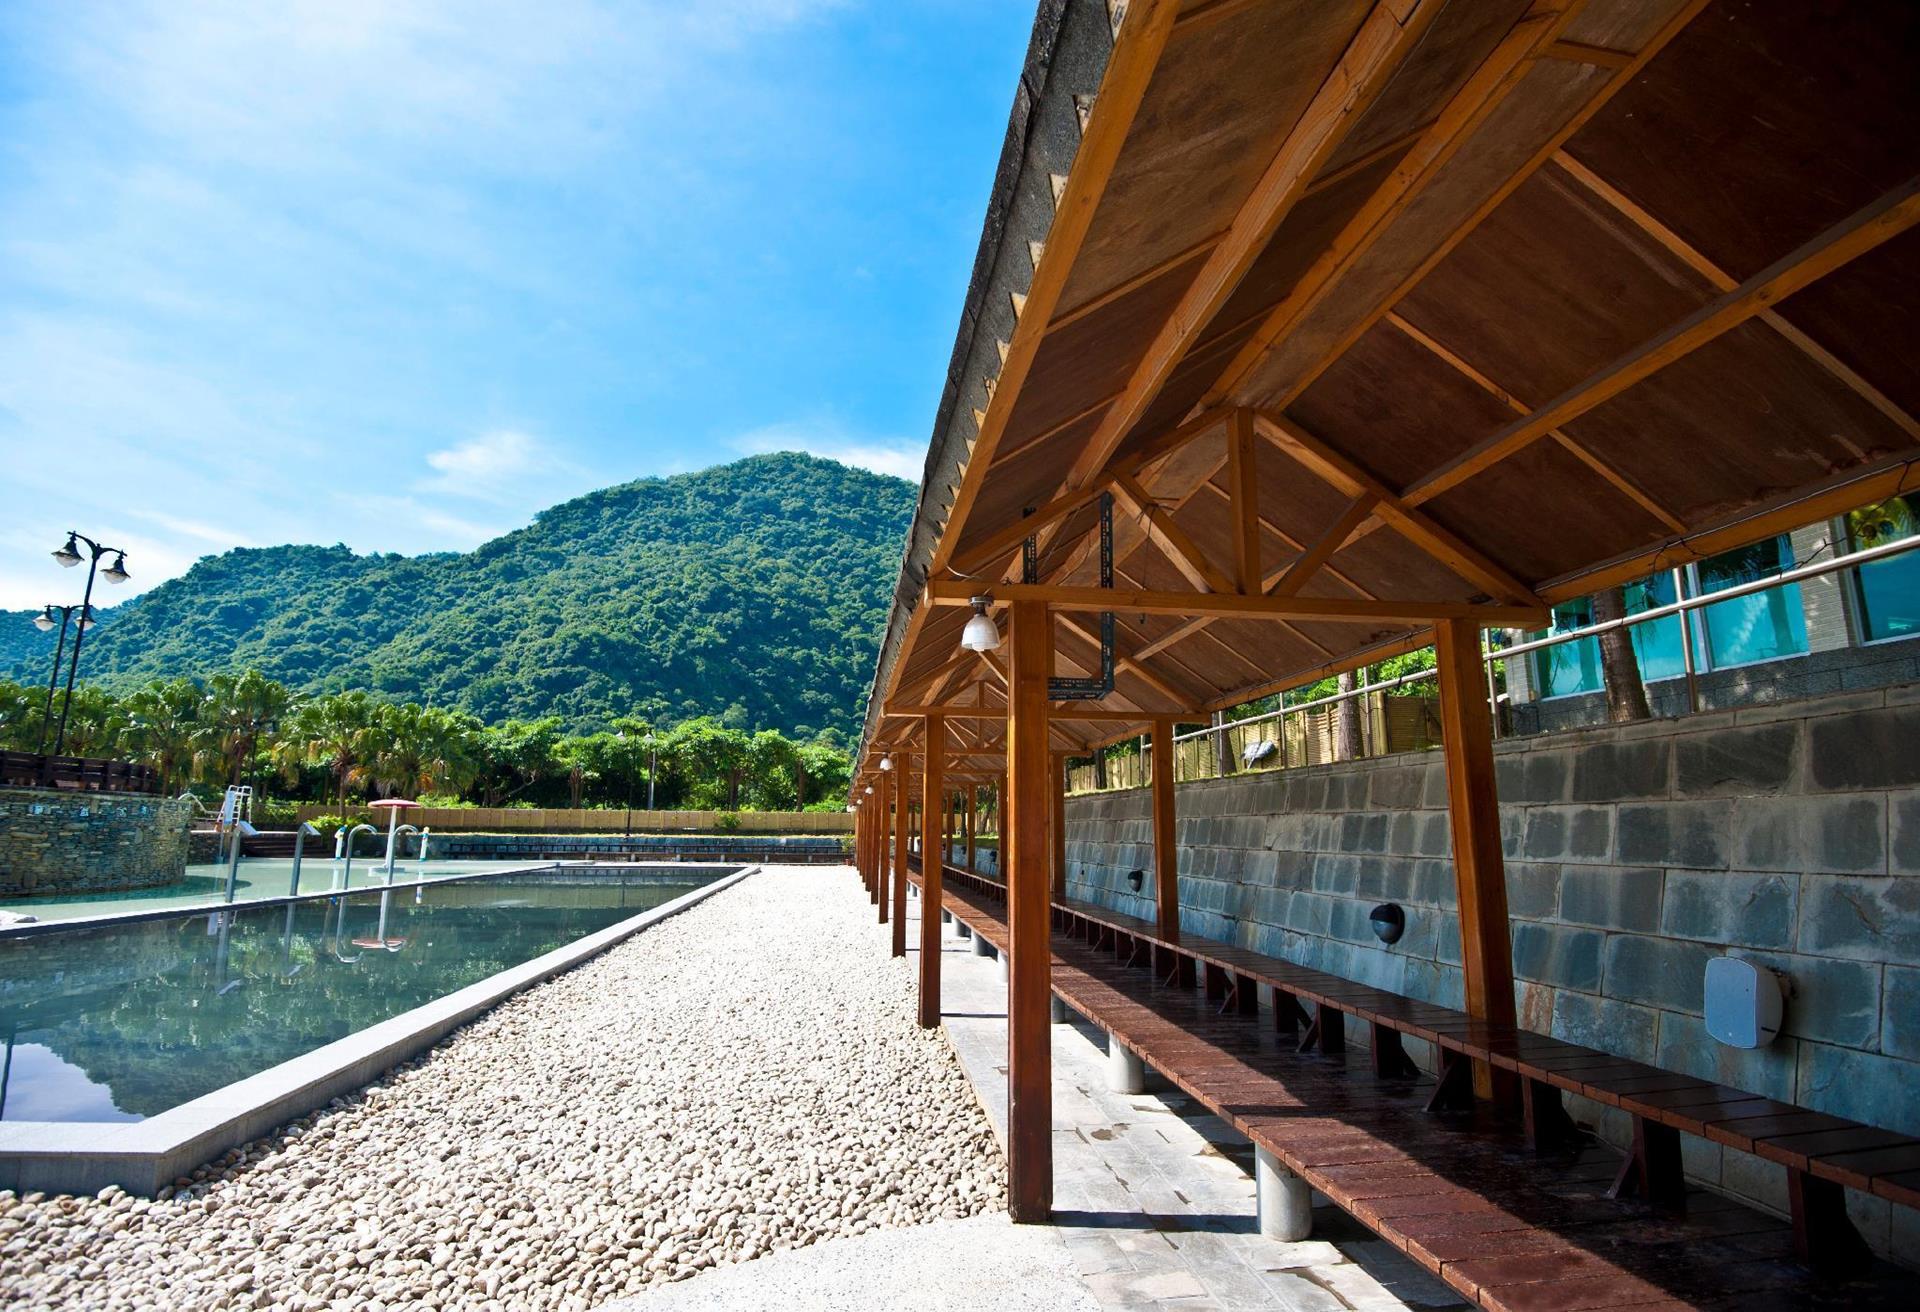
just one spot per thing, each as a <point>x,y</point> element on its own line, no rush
<point>1368,314</point>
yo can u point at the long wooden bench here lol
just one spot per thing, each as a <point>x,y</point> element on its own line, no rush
<point>1486,1200</point>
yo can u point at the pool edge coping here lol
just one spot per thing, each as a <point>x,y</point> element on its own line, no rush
<point>143,1157</point>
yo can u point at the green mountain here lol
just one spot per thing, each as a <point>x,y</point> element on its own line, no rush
<point>754,591</point>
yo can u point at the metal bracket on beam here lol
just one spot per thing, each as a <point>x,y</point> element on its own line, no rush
<point>1094,688</point>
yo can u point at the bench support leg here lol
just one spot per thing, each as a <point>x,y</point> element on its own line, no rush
<point>1285,1201</point>
<point>1328,1032</point>
<point>961,931</point>
<point>946,917</point>
<point>1823,1237</point>
<point>1289,1015</point>
<point>1548,1125</point>
<point>1216,980</point>
<point>1652,1169</point>
<point>1126,1073</point>
<point>1454,1093</point>
<point>1390,1060</point>
<point>1059,1015</point>
<point>982,948</point>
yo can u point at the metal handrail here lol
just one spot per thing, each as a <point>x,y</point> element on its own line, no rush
<point>1852,560</point>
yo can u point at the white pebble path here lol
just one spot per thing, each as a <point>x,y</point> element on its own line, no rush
<point>742,1078</point>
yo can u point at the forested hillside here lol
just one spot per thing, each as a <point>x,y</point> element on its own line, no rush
<point>754,592</point>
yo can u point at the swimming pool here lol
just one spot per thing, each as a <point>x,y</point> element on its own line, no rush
<point>123,1021</point>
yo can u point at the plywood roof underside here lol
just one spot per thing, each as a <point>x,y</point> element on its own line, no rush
<point>1514,299</point>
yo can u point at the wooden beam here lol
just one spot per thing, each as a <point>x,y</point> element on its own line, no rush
<point>1722,281</point>
<point>1466,736</point>
<point>1852,237</point>
<point>1024,854</point>
<point>931,865</point>
<point>1626,486</point>
<point>1125,665</point>
<point>1384,39</point>
<point>1009,538</point>
<point>1172,540</point>
<point>1336,610</point>
<point>1489,85</point>
<point>1136,53</point>
<point>903,820</point>
<point>1577,52</point>
<point>1243,478</point>
<point>1056,711</point>
<point>1348,477</point>
<point>1308,563</point>
<point>1166,850</point>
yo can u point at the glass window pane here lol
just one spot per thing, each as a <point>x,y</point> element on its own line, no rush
<point>1571,667</point>
<point>1889,590</point>
<point>1657,642</point>
<point>1758,627</point>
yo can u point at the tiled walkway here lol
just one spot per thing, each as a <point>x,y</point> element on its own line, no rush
<point>1153,1198</point>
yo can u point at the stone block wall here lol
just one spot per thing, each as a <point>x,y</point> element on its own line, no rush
<point>1789,834</point>
<point>54,842</point>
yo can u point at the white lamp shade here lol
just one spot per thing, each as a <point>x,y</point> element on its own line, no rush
<point>886,763</point>
<point>981,633</point>
<point>43,622</point>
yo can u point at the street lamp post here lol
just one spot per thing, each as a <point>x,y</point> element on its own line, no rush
<point>44,622</point>
<point>69,556</point>
<point>653,766</point>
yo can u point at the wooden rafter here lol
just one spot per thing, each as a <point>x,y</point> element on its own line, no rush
<point>1496,77</point>
<point>1383,41</point>
<point>1172,540</point>
<point>1348,477</point>
<point>1309,562</point>
<point>1136,54</point>
<point>1626,486</point>
<point>1129,666</point>
<point>1336,610</point>
<point>1845,241</point>
<point>1722,281</point>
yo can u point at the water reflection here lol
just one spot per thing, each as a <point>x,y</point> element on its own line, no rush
<point>141,1017</point>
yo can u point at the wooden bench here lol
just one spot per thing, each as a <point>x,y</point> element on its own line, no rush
<point>1484,1198</point>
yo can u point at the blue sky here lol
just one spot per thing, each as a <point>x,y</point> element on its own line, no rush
<point>400,273</point>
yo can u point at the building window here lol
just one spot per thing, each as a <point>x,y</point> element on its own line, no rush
<point>1761,626</point>
<point>1574,667</point>
<point>1887,591</point>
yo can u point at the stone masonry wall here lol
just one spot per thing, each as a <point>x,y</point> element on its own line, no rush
<point>54,842</point>
<point>1789,834</point>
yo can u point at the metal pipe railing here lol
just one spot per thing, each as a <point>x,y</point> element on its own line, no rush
<point>1851,560</point>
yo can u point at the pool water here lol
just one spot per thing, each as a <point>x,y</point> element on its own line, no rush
<point>121,1022</point>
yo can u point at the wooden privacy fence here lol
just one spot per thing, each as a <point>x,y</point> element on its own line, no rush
<point>1388,724</point>
<point>567,820</point>
<point>82,773</point>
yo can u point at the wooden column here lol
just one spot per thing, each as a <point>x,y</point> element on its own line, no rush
<point>1024,857</point>
<point>883,792</point>
<point>1057,825</point>
<point>1466,731</point>
<point>1166,853</point>
<point>931,863</point>
<point>969,819</point>
<point>902,769</point>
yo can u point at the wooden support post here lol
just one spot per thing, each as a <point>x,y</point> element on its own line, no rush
<point>1057,826</point>
<point>1166,859</point>
<point>883,793</point>
<point>902,768</point>
<point>970,820</point>
<point>1479,871</point>
<point>932,866</point>
<point>1024,860</point>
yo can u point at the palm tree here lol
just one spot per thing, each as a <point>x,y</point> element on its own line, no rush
<point>163,721</point>
<point>243,714</point>
<point>421,749</point>
<point>337,732</point>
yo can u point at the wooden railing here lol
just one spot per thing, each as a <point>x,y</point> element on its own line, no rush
<point>81,773</point>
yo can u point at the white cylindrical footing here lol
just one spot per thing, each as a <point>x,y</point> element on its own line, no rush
<point>1126,1073</point>
<point>946,917</point>
<point>960,930</point>
<point>1059,1010</point>
<point>1003,965</point>
<point>981,948</point>
<point>1285,1201</point>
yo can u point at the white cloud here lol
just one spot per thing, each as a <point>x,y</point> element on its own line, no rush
<point>901,457</point>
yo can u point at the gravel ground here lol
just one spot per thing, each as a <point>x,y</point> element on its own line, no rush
<point>744,1078</point>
